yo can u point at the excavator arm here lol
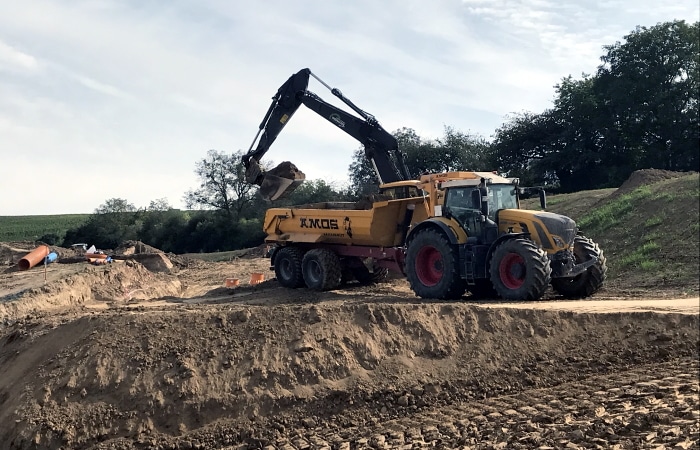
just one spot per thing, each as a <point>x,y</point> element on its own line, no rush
<point>380,146</point>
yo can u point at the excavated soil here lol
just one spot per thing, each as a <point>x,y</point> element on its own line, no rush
<point>154,352</point>
<point>644,177</point>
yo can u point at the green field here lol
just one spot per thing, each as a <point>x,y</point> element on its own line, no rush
<point>32,228</point>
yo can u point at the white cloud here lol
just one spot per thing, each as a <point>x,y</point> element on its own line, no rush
<point>11,58</point>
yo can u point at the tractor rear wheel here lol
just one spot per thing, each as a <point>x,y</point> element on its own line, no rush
<point>322,269</point>
<point>288,267</point>
<point>588,282</point>
<point>520,270</point>
<point>432,266</point>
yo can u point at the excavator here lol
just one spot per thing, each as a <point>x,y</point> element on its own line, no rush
<point>380,146</point>
<point>448,233</point>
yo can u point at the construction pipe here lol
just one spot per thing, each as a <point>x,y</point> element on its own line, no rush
<point>90,256</point>
<point>33,258</point>
<point>51,257</point>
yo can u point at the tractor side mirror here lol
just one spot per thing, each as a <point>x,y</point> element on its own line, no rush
<point>476,199</point>
<point>484,201</point>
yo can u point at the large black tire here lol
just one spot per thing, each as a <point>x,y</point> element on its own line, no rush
<point>432,266</point>
<point>288,267</point>
<point>322,269</point>
<point>588,282</point>
<point>482,289</point>
<point>520,270</point>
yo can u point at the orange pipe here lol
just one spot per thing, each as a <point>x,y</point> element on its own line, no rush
<point>96,256</point>
<point>232,282</point>
<point>33,258</point>
<point>257,277</point>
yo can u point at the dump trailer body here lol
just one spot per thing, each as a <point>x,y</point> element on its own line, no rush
<point>344,223</point>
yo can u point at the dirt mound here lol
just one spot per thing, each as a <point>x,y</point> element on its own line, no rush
<point>239,374</point>
<point>10,253</point>
<point>68,286</point>
<point>644,177</point>
<point>135,248</point>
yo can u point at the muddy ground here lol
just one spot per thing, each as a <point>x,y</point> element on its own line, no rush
<point>153,351</point>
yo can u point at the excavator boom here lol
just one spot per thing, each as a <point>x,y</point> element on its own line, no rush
<point>380,146</point>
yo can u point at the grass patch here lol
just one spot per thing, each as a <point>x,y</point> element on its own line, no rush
<point>611,214</point>
<point>653,221</point>
<point>642,258</point>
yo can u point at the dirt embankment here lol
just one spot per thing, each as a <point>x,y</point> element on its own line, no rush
<point>162,377</point>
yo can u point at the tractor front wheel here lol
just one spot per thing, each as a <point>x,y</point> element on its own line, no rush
<point>587,283</point>
<point>520,270</point>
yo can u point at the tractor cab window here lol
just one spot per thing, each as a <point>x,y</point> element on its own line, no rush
<point>458,204</point>
<point>501,196</point>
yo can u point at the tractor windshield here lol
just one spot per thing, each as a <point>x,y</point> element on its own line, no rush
<point>501,196</point>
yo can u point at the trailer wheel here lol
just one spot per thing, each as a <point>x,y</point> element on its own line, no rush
<point>322,269</point>
<point>520,270</point>
<point>588,282</point>
<point>288,267</point>
<point>432,266</point>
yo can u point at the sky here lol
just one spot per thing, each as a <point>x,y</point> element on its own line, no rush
<point>104,99</point>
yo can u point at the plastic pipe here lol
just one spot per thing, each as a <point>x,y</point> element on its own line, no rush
<point>90,256</point>
<point>51,257</point>
<point>257,277</point>
<point>33,258</point>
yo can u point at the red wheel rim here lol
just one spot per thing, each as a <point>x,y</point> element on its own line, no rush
<point>512,270</point>
<point>429,267</point>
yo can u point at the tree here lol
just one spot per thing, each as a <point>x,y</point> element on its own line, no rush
<point>222,185</point>
<point>651,85</point>
<point>112,223</point>
<point>454,151</point>
<point>521,145</point>
<point>463,151</point>
<point>639,111</point>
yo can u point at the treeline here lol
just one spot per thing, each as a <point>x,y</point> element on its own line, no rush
<point>237,225</point>
<point>639,110</point>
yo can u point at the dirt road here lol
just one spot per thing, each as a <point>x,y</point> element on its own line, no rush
<point>127,357</point>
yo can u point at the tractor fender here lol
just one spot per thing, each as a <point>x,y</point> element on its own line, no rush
<point>454,233</point>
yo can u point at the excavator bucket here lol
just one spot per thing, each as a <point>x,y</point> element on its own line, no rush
<point>280,181</point>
